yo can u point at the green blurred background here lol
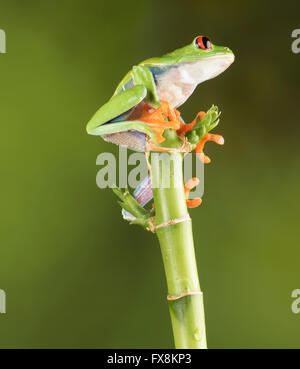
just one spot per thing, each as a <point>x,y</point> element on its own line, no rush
<point>75,274</point>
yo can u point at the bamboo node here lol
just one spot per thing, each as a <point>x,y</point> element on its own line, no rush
<point>153,227</point>
<point>184,294</point>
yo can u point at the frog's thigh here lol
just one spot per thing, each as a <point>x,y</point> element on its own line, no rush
<point>116,106</point>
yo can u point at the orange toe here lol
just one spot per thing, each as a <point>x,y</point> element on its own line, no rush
<point>200,146</point>
<point>194,202</point>
<point>187,127</point>
<point>191,183</point>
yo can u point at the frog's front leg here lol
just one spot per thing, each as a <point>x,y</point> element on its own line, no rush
<point>197,131</point>
<point>142,76</point>
<point>186,127</point>
<point>200,146</point>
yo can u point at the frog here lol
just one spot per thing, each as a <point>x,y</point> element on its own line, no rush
<point>144,107</point>
<point>144,104</point>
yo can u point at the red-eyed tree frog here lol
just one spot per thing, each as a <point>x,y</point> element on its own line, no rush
<point>160,83</point>
<point>144,106</point>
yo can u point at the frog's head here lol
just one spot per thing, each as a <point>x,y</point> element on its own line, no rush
<point>205,60</point>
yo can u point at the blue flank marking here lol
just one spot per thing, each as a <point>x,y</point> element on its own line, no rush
<point>122,117</point>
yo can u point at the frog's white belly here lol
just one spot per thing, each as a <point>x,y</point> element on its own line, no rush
<point>176,84</point>
<point>175,92</point>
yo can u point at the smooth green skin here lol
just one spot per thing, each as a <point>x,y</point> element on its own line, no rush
<point>143,88</point>
<point>177,248</point>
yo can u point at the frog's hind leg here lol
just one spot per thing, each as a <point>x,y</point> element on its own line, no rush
<point>117,122</point>
<point>143,194</point>
<point>113,116</point>
<point>131,139</point>
<point>119,104</point>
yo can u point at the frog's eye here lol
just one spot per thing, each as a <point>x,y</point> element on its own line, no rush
<point>203,42</point>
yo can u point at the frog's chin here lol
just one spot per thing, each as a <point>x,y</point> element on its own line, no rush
<point>203,70</point>
<point>178,83</point>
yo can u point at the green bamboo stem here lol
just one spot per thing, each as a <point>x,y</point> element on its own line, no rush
<point>177,248</point>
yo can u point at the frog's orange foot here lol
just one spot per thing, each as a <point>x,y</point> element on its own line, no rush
<point>164,117</point>
<point>200,146</point>
<point>184,128</point>
<point>191,183</point>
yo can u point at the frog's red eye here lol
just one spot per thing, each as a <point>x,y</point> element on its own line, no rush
<point>203,43</point>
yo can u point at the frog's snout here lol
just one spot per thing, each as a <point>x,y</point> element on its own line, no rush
<point>229,53</point>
